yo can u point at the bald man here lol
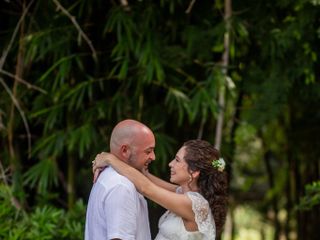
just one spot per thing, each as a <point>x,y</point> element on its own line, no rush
<point>115,209</point>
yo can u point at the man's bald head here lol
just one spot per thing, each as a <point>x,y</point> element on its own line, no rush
<point>127,132</point>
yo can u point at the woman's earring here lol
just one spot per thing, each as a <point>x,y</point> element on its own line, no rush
<point>190,178</point>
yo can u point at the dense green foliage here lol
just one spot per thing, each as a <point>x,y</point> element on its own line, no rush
<point>311,198</point>
<point>81,66</point>
<point>44,222</point>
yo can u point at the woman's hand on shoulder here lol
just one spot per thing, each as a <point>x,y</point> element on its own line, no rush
<point>101,161</point>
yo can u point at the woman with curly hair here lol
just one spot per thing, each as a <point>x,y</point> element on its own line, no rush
<point>196,198</point>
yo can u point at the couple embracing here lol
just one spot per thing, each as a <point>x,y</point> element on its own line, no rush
<point>195,198</point>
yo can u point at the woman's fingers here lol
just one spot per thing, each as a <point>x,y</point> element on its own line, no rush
<point>96,162</point>
<point>99,163</point>
<point>94,166</point>
<point>96,174</point>
<point>102,159</point>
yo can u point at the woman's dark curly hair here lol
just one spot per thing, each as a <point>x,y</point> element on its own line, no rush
<point>212,183</point>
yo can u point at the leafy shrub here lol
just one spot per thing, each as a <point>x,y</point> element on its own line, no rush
<point>45,222</point>
<point>311,198</point>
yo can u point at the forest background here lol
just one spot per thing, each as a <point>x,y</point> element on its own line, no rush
<point>243,75</point>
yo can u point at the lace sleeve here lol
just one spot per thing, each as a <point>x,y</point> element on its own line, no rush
<point>203,216</point>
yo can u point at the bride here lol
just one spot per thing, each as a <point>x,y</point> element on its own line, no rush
<point>196,198</point>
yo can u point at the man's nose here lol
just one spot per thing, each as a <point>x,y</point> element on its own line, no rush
<point>153,156</point>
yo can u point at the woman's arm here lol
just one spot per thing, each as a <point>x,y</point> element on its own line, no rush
<point>180,204</point>
<point>100,164</point>
<point>160,182</point>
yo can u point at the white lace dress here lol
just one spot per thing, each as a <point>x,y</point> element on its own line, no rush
<point>171,226</point>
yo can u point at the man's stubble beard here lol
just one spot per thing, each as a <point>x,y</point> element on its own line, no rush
<point>132,160</point>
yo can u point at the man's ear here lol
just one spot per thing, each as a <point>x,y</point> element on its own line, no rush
<point>125,151</point>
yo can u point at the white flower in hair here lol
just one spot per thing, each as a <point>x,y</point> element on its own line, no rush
<point>219,164</point>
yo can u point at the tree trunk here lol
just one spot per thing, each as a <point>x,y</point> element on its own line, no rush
<point>71,165</point>
<point>225,64</point>
<point>15,162</point>
<point>71,181</point>
<point>234,126</point>
<point>268,158</point>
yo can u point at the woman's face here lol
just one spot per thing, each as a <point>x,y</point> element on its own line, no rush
<point>179,169</point>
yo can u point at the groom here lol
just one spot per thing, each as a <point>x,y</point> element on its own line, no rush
<point>115,209</point>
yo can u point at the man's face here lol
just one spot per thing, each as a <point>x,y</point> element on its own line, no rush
<point>142,151</point>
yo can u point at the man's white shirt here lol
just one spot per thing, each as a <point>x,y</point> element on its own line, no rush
<point>116,210</point>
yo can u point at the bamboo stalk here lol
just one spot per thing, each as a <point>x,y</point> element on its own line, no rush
<point>225,64</point>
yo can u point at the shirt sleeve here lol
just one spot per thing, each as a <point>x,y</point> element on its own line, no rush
<point>120,207</point>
